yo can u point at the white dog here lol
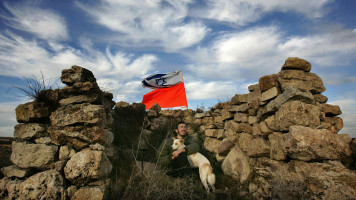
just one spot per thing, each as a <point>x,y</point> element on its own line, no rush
<point>198,160</point>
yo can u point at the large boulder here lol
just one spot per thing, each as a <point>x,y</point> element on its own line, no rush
<point>77,74</point>
<point>297,113</point>
<point>236,165</point>
<point>30,130</point>
<point>304,180</point>
<point>45,185</point>
<point>85,114</point>
<point>303,143</point>
<point>304,81</point>
<point>33,112</point>
<point>297,64</point>
<point>86,166</point>
<point>27,155</point>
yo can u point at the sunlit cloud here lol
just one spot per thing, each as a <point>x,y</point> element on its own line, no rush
<point>44,23</point>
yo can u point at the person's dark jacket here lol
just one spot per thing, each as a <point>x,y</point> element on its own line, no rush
<point>164,154</point>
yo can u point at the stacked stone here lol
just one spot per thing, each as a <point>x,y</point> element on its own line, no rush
<point>60,147</point>
<point>280,130</point>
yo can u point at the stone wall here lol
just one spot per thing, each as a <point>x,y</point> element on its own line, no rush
<point>278,141</point>
<point>62,144</point>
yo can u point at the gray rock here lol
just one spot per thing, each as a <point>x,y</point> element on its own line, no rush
<point>306,144</point>
<point>27,155</point>
<point>30,130</point>
<point>236,165</point>
<point>86,166</point>
<point>45,185</point>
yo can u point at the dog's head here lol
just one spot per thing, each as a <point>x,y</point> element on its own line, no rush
<point>177,143</point>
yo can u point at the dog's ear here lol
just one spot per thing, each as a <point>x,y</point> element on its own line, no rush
<point>173,138</point>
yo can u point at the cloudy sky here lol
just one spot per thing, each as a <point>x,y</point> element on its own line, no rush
<point>222,46</point>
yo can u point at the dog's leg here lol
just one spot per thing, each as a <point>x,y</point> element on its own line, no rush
<point>211,181</point>
<point>203,172</point>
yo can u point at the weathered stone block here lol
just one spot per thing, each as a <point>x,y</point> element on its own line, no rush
<point>331,110</point>
<point>258,147</point>
<point>33,112</point>
<point>236,165</point>
<point>225,147</point>
<point>277,150</point>
<point>320,98</point>
<point>304,81</point>
<point>226,114</point>
<point>243,141</point>
<point>96,192</point>
<point>297,64</point>
<point>86,166</point>
<point>81,136</point>
<point>270,94</point>
<point>77,74</point>
<point>268,82</point>
<point>14,171</point>
<point>238,127</point>
<point>306,144</point>
<point>241,117</point>
<point>86,114</point>
<point>211,144</point>
<point>27,155</point>
<point>45,185</point>
<point>297,113</point>
<point>239,99</point>
<point>29,131</point>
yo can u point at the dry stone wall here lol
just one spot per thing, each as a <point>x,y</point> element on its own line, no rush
<point>282,138</point>
<point>61,145</point>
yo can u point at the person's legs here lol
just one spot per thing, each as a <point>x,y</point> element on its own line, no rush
<point>180,166</point>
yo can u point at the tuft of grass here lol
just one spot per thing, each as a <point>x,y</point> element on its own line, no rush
<point>34,88</point>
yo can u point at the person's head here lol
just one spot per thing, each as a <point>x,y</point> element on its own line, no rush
<point>181,129</point>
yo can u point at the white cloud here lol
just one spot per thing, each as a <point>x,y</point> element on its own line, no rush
<point>242,12</point>
<point>148,23</point>
<point>240,55</point>
<point>259,51</point>
<point>7,118</point>
<point>43,23</point>
<point>20,57</point>
<point>348,108</point>
<point>210,90</point>
<point>334,48</point>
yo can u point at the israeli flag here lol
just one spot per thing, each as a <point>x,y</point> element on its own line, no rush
<point>155,81</point>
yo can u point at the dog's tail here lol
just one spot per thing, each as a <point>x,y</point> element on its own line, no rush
<point>211,179</point>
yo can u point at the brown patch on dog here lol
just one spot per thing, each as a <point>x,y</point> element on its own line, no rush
<point>210,170</point>
<point>194,154</point>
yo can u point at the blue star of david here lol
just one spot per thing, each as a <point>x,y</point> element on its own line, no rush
<point>161,81</point>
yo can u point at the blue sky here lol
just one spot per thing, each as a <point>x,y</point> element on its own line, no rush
<point>222,46</point>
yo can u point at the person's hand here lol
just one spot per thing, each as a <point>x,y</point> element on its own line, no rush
<point>176,153</point>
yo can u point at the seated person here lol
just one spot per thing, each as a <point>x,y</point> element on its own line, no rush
<point>176,162</point>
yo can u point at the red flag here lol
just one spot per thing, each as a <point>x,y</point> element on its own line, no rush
<point>166,97</point>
